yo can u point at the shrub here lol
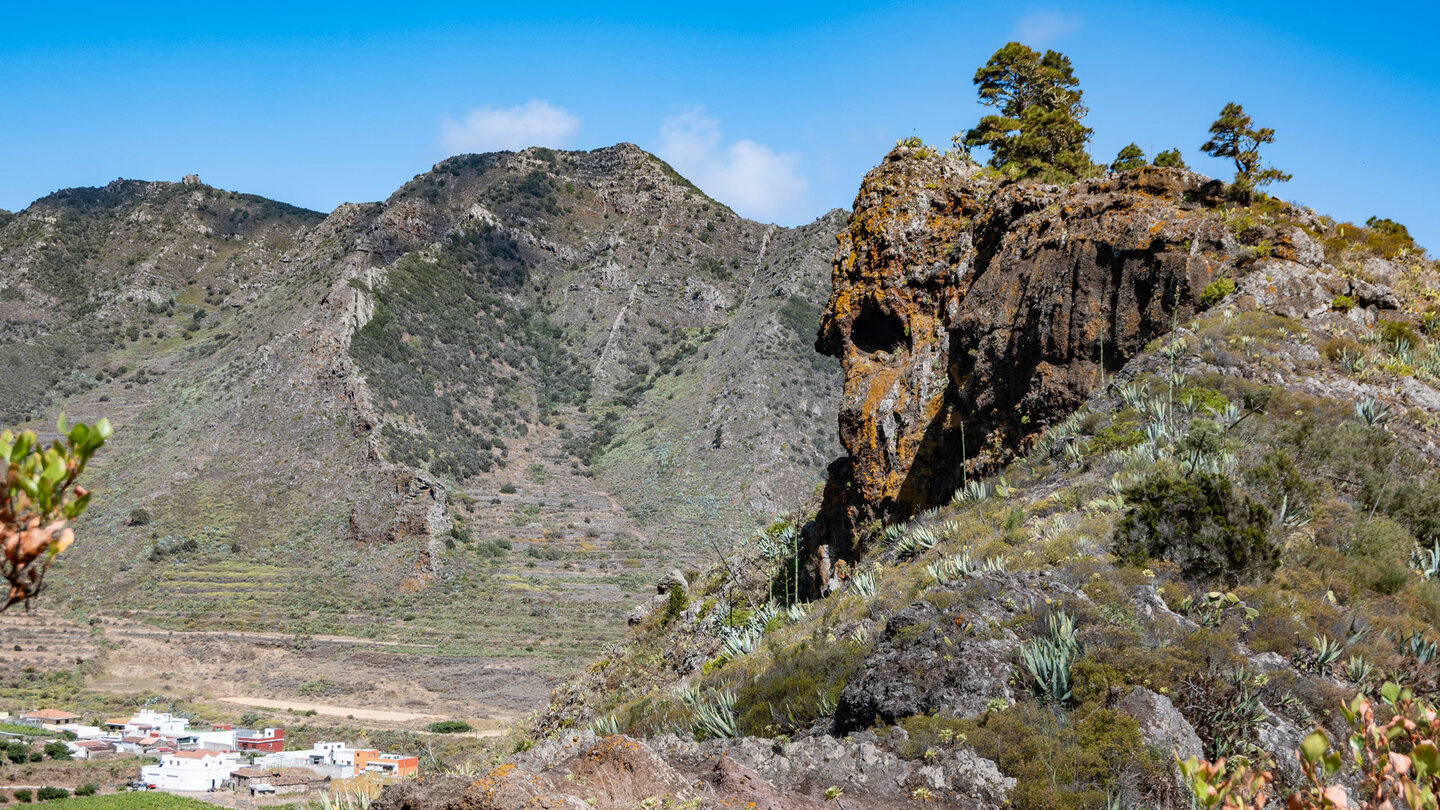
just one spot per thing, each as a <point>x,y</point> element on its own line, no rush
<point>57,750</point>
<point>1381,551</point>
<point>23,795</point>
<point>87,789</point>
<point>1058,764</point>
<point>47,793</point>
<point>1392,332</point>
<point>507,489</point>
<point>40,501</point>
<point>1337,349</point>
<point>1199,523</point>
<point>1342,303</point>
<point>674,605</point>
<point>1216,291</point>
<point>797,685</point>
<point>449,727</point>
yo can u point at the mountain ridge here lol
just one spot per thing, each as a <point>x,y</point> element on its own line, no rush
<point>599,282</point>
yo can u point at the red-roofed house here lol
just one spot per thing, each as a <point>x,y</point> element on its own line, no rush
<point>45,718</point>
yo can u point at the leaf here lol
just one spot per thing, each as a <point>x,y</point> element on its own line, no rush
<point>1332,763</point>
<point>1314,746</point>
<point>1427,759</point>
<point>103,429</point>
<point>1337,797</point>
<point>1390,692</point>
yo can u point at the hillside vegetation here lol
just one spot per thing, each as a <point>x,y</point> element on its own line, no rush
<point>521,387</point>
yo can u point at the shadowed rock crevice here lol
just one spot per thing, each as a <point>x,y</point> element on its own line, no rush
<point>877,331</point>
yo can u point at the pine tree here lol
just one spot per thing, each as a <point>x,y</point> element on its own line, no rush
<point>1233,135</point>
<point>1170,158</point>
<point>1130,157</point>
<point>1037,132</point>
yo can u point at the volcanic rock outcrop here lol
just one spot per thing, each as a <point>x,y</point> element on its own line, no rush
<point>969,312</point>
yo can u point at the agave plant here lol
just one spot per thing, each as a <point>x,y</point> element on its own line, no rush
<point>1323,652</point>
<point>1359,671</point>
<point>864,583</point>
<point>826,702</point>
<point>892,533</point>
<point>1372,411</point>
<point>973,492</point>
<point>1229,416</point>
<point>605,726</point>
<point>990,565</point>
<point>713,712</point>
<point>1353,362</point>
<point>1420,647</point>
<point>1048,659</point>
<point>917,541</point>
<point>736,642</point>
<point>1427,560</point>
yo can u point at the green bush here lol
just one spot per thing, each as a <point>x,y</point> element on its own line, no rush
<point>674,605</point>
<point>797,686</point>
<point>87,789</point>
<point>47,793</point>
<point>1381,553</point>
<point>23,795</point>
<point>57,750</point>
<point>1342,303</point>
<point>1058,763</point>
<point>1216,291</point>
<point>449,727</point>
<point>1200,523</point>
<point>1392,332</point>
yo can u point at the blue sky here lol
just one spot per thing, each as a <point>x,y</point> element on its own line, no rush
<point>776,109</point>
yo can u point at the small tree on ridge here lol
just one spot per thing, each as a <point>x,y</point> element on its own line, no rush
<point>1234,136</point>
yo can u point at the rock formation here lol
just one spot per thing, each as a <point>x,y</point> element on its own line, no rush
<point>968,313</point>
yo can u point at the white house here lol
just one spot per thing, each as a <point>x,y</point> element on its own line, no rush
<point>152,722</point>
<point>333,759</point>
<point>223,740</point>
<point>80,732</point>
<point>190,770</point>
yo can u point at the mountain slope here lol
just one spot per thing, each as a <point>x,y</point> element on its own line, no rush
<point>509,392</point>
<point>1134,470</point>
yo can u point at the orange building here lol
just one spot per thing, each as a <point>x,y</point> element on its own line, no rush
<point>370,760</point>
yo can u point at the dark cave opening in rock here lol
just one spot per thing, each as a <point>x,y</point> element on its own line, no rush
<point>877,331</point>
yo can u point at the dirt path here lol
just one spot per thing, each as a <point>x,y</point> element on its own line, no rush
<point>332,711</point>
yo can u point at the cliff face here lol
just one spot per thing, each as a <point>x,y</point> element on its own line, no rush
<point>968,314</point>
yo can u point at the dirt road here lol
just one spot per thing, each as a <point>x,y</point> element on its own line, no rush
<point>330,711</point>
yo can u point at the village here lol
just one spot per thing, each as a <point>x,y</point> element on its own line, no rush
<point>172,756</point>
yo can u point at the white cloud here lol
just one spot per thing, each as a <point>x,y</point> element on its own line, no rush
<point>489,129</point>
<point>747,176</point>
<point>1041,29</point>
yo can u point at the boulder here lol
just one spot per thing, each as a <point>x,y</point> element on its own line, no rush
<point>1161,724</point>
